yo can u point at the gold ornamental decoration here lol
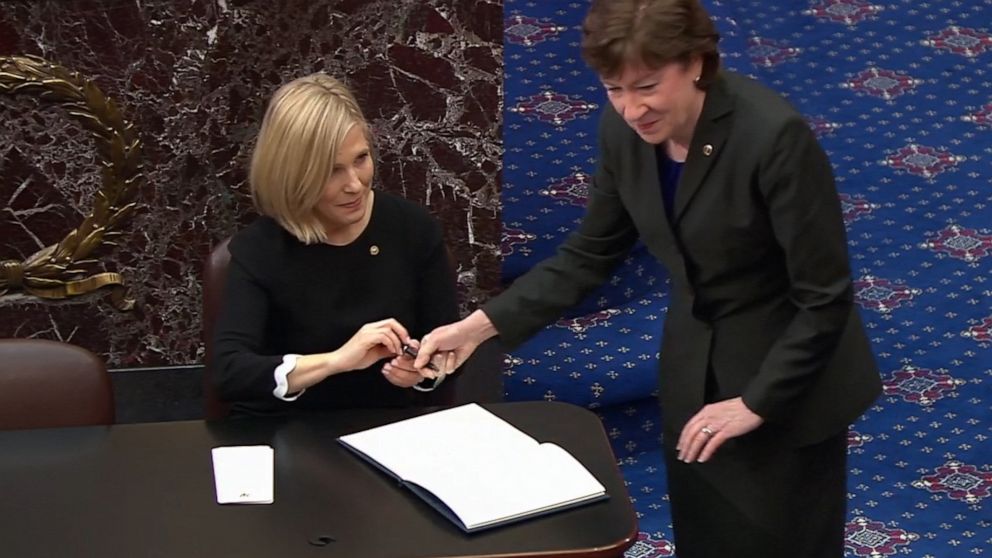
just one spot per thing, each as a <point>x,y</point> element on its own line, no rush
<point>56,271</point>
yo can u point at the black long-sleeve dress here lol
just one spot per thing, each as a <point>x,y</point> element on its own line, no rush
<point>285,297</point>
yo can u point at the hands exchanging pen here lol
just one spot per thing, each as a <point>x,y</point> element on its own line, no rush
<point>401,371</point>
<point>440,353</point>
<point>373,342</point>
<point>458,340</point>
<point>381,340</point>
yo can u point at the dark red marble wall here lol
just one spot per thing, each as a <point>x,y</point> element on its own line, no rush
<point>193,76</point>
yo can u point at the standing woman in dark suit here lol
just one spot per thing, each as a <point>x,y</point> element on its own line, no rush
<point>764,360</point>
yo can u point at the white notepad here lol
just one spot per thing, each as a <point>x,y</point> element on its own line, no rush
<point>243,474</point>
<point>477,469</point>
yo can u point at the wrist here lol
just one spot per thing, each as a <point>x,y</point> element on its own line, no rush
<point>332,364</point>
<point>479,327</point>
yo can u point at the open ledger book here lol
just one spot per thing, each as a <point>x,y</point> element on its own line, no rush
<point>478,470</point>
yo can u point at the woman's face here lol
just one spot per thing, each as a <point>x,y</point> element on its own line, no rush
<point>345,199</point>
<point>658,103</point>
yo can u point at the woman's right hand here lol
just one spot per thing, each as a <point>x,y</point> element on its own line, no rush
<point>460,338</point>
<point>373,342</point>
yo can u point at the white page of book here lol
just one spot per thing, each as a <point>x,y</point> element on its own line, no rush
<point>480,466</point>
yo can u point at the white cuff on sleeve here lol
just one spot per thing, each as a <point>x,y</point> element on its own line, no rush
<point>282,384</point>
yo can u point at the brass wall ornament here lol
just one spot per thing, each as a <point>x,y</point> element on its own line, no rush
<point>57,271</point>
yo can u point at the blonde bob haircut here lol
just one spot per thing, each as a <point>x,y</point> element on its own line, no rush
<point>304,125</point>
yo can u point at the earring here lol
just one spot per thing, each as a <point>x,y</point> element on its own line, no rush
<point>697,79</point>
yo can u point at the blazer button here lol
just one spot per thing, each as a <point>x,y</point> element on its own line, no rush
<point>707,150</point>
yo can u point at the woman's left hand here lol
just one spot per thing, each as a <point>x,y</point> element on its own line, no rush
<point>400,372</point>
<point>713,425</point>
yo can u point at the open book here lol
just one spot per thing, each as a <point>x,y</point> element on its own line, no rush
<point>475,468</point>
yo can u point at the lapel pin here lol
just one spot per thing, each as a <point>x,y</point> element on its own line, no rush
<point>374,250</point>
<point>707,150</point>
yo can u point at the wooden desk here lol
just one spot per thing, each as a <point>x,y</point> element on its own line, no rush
<point>147,490</point>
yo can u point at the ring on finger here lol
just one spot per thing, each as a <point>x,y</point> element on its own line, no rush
<point>707,431</point>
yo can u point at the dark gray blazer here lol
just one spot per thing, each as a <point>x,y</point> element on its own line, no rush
<point>761,303</point>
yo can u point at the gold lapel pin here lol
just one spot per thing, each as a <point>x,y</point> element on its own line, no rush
<point>374,250</point>
<point>707,150</point>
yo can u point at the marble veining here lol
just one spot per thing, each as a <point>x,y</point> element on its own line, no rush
<point>193,77</point>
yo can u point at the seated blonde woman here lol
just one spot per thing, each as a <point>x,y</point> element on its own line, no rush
<point>326,287</point>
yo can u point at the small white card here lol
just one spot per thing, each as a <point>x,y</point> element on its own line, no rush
<point>243,474</point>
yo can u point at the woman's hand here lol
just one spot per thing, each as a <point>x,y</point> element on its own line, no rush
<point>460,339</point>
<point>370,344</point>
<point>712,426</point>
<point>401,372</point>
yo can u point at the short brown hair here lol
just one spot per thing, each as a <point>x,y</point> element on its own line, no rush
<point>304,125</point>
<point>652,32</point>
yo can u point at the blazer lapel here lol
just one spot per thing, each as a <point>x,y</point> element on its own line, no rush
<point>648,210</point>
<point>648,192</point>
<point>707,142</point>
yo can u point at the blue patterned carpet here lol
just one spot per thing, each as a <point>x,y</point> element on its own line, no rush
<point>900,94</point>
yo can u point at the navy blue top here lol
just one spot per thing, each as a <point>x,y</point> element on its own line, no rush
<point>669,172</point>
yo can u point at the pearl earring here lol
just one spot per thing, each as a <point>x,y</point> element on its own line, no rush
<point>697,79</point>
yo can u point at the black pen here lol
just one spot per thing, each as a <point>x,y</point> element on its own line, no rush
<point>410,351</point>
